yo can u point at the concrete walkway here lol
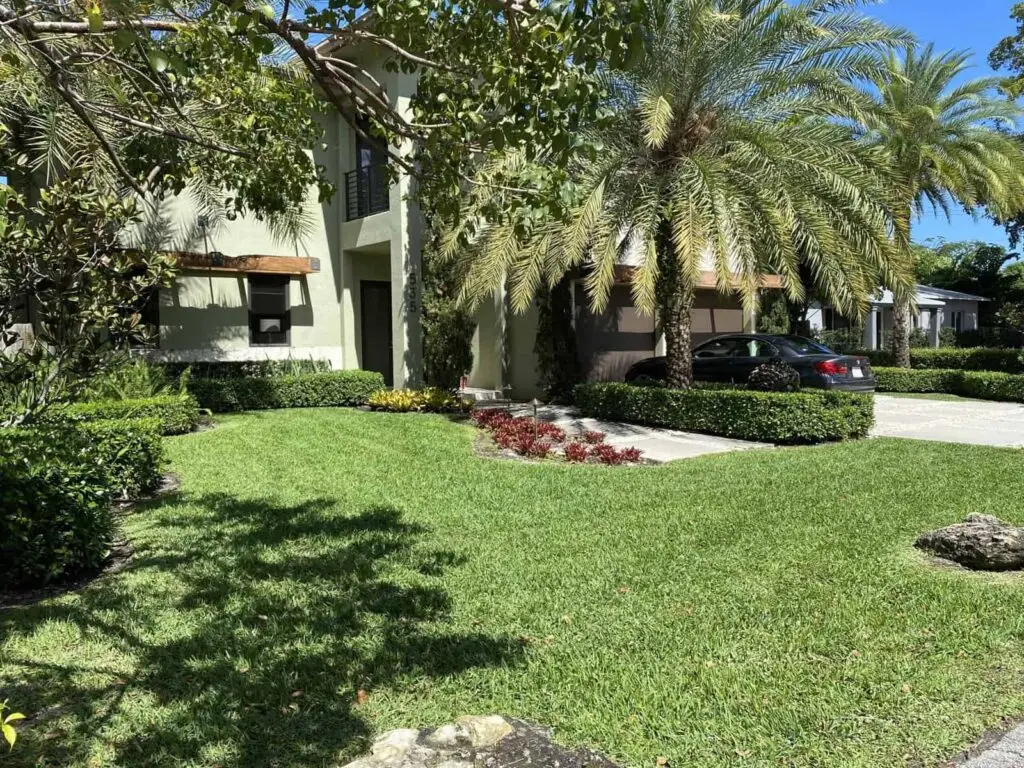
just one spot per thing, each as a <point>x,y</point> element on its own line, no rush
<point>656,444</point>
<point>1007,752</point>
<point>976,422</point>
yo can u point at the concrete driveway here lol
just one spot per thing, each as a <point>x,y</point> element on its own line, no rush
<point>950,421</point>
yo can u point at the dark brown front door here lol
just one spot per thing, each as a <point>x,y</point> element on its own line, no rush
<point>375,316</point>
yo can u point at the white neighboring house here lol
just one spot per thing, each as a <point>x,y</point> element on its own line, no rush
<point>937,308</point>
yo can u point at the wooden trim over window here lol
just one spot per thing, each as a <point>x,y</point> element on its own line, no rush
<point>251,264</point>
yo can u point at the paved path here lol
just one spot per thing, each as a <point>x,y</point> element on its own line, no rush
<point>656,444</point>
<point>951,421</point>
<point>1008,752</point>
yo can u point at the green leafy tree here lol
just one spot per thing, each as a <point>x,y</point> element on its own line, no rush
<point>64,257</point>
<point>947,148</point>
<point>725,150</point>
<point>179,76</point>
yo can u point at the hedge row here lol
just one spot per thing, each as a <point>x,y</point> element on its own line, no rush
<point>987,385</point>
<point>57,482</point>
<point>777,417</point>
<point>302,391</point>
<point>955,358</point>
<point>177,414</point>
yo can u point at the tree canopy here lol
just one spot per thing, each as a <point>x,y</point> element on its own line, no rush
<point>228,91</point>
<point>727,149</point>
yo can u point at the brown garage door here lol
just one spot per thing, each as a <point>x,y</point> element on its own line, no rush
<point>609,343</point>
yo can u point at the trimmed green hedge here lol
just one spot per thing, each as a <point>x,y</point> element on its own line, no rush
<point>57,519</point>
<point>178,414</point>
<point>778,417</point>
<point>955,358</point>
<point>130,451</point>
<point>308,390</point>
<point>57,482</point>
<point>986,385</point>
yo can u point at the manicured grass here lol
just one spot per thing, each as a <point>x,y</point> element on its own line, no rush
<point>760,608</point>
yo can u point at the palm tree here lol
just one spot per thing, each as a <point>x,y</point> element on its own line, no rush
<point>947,146</point>
<point>728,150</point>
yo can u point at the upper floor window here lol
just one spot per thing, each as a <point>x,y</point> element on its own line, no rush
<point>269,311</point>
<point>367,187</point>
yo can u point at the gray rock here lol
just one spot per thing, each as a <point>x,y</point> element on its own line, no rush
<point>490,741</point>
<point>981,542</point>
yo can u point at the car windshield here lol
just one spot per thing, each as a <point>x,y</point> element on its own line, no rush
<point>804,346</point>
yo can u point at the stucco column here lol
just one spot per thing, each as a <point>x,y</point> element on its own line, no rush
<point>934,322</point>
<point>406,263</point>
<point>871,329</point>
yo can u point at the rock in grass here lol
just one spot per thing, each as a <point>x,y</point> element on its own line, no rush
<point>980,542</point>
<point>472,742</point>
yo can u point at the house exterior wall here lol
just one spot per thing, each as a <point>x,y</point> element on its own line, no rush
<point>970,314</point>
<point>204,315</point>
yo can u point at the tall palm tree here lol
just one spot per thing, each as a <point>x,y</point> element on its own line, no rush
<point>728,150</point>
<point>948,144</point>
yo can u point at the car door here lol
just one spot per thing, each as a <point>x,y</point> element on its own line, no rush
<point>713,360</point>
<point>748,354</point>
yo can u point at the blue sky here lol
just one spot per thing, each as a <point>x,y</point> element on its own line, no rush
<point>954,25</point>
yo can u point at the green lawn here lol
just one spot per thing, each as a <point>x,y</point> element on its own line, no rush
<point>762,608</point>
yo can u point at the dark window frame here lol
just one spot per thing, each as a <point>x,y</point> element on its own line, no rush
<point>283,281</point>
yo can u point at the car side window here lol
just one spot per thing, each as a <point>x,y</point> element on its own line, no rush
<point>754,348</point>
<point>714,349</point>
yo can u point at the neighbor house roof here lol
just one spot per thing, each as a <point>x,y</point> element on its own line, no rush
<point>927,296</point>
<point>942,293</point>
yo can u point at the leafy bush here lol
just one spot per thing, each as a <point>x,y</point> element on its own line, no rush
<point>129,451</point>
<point>177,414</point>
<point>778,417</point>
<point>774,376</point>
<point>56,519</point>
<point>308,390</point>
<point>430,399</point>
<point>986,385</point>
<point>956,358</point>
<point>240,369</point>
<point>135,380</point>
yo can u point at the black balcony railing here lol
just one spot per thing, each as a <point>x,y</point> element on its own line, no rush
<point>366,191</point>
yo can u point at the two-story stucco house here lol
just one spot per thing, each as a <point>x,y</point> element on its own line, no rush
<point>350,292</point>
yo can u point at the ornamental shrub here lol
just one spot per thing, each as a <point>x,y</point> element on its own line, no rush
<point>809,416</point>
<point>955,358</point>
<point>774,376</point>
<point>310,390</point>
<point>57,484</point>
<point>56,519</point>
<point>428,400</point>
<point>986,385</point>
<point>177,414</point>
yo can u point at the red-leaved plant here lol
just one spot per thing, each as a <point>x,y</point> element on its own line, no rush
<point>538,439</point>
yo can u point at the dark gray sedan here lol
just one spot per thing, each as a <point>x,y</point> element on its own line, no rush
<point>731,359</point>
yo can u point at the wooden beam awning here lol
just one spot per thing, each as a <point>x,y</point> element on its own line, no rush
<point>250,263</point>
<point>707,279</point>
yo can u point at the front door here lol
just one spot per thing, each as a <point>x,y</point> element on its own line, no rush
<point>375,316</point>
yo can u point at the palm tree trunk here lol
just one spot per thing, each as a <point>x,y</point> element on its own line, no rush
<point>901,312</point>
<point>901,333</point>
<point>675,301</point>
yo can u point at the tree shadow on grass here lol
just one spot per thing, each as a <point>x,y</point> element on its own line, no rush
<point>250,628</point>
